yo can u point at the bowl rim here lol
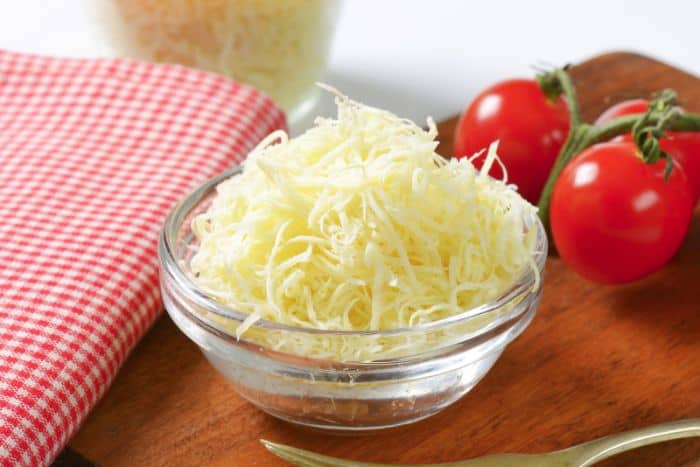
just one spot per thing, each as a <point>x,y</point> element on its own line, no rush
<point>170,266</point>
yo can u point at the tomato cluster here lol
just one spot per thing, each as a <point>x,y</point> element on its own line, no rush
<point>614,216</point>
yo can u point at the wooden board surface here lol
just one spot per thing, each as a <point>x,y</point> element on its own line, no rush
<point>595,361</point>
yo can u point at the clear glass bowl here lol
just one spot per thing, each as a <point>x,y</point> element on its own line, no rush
<point>406,383</point>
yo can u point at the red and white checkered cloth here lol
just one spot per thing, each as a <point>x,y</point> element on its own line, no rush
<point>93,154</point>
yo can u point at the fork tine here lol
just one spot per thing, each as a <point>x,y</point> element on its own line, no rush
<point>304,458</point>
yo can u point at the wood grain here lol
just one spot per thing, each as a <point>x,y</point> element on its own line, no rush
<point>595,361</point>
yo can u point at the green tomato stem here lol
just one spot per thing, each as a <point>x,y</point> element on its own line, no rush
<point>579,138</point>
<point>556,83</point>
<point>569,90</point>
<point>622,125</point>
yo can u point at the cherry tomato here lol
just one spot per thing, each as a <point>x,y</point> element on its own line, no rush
<point>531,129</point>
<point>614,218</point>
<point>684,147</point>
<point>629,107</point>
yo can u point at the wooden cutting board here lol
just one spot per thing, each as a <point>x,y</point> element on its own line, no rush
<point>595,361</point>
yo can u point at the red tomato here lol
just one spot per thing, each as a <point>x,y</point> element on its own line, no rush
<point>614,218</point>
<point>632,106</point>
<point>684,147</point>
<point>530,127</point>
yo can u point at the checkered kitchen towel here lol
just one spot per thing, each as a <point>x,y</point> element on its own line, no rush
<point>93,154</point>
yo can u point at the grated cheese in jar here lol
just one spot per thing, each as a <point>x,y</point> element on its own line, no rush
<point>280,47</point>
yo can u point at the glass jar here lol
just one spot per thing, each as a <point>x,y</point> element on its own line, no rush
<point>278,46</point>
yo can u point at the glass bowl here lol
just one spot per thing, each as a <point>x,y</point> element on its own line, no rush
<point>415,373</point>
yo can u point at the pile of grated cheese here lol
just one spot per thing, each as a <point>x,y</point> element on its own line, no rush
<point>359,225</point>
<point>277,46</point>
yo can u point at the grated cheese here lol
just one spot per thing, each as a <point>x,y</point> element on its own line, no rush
<point>358,225</point>
<point>277,46</point>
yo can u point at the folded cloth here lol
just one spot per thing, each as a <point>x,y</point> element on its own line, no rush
<point>93,154</point>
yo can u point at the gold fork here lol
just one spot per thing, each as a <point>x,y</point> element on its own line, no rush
<point>581,455</point>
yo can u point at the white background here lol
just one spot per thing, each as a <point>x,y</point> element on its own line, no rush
<point>424,57</point>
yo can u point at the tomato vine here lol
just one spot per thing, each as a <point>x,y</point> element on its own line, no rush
<point>647,128</point>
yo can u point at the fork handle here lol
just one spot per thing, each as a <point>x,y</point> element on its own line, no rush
<point>589,453</point>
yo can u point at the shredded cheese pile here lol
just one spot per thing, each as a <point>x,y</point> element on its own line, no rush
<point>359,225</point>
<point>277,46</point>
